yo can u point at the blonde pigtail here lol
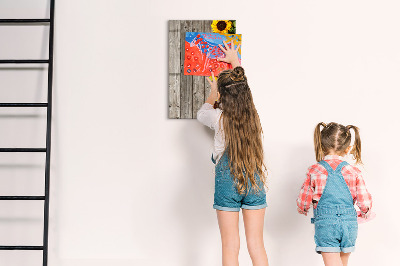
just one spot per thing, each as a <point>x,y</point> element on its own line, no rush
<point>319,153</point>
<point>356,151</point>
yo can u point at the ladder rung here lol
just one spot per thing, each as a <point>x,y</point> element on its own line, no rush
<point>34,20</point>
<point>23,104</point>
<point>23,61</point>
<point>22,197</point>
<point>22,149</point>
<point>21,247</point>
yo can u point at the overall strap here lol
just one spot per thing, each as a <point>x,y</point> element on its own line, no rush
<point>340,166</point>
<point>223,160</point>
<point>326,166</point>
<point>212,159</point>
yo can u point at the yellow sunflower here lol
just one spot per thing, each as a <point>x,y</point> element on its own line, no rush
<point>221,26</point>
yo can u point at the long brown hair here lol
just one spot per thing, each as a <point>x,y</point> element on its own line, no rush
<point>336,137</point>
<point>242,130</point>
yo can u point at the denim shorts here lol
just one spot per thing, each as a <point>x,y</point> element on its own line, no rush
<point>226,195</point>
<point>335,232</point>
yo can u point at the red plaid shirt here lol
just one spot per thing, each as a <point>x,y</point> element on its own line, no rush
<point>314,185</point>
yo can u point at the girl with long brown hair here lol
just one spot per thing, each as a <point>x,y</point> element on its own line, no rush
<point>333,186</point>
<point>240,172</point>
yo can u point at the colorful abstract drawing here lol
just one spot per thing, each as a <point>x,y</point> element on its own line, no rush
<point>202,51</point>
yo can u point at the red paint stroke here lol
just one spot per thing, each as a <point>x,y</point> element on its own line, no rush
<point>197,63</point>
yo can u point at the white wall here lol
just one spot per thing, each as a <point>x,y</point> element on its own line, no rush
<point>131,187</point>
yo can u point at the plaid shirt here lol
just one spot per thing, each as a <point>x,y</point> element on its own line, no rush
<point>314,185</point>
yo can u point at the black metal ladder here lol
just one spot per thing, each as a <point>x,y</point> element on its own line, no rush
<point>47,105</point>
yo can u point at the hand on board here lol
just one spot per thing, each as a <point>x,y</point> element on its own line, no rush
<point>231,54</point>
<point>213,83</point>
<point>214,94</point>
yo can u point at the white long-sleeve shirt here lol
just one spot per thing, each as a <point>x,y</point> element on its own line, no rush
<point>210,117</point>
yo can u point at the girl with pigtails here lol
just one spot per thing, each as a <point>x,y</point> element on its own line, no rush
<point>239,160</point>
<point>333,186</point>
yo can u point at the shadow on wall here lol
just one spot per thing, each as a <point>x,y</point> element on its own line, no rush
<point>284,226</point>
<point>193,203</point>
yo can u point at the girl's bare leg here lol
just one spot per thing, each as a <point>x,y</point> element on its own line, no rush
<point>229,228</point>
<point>332,259</point>
<point>254,227</point>
<point>345,258</point>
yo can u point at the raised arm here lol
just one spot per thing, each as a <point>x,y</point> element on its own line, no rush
<point>214,95</point>
<point>231,57</point>
<point>207,115</point>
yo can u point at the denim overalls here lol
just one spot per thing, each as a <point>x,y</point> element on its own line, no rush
<point>226,195</point>
<point>335,217</point>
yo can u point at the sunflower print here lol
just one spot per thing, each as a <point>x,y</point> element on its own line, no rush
<point>222,26</point>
